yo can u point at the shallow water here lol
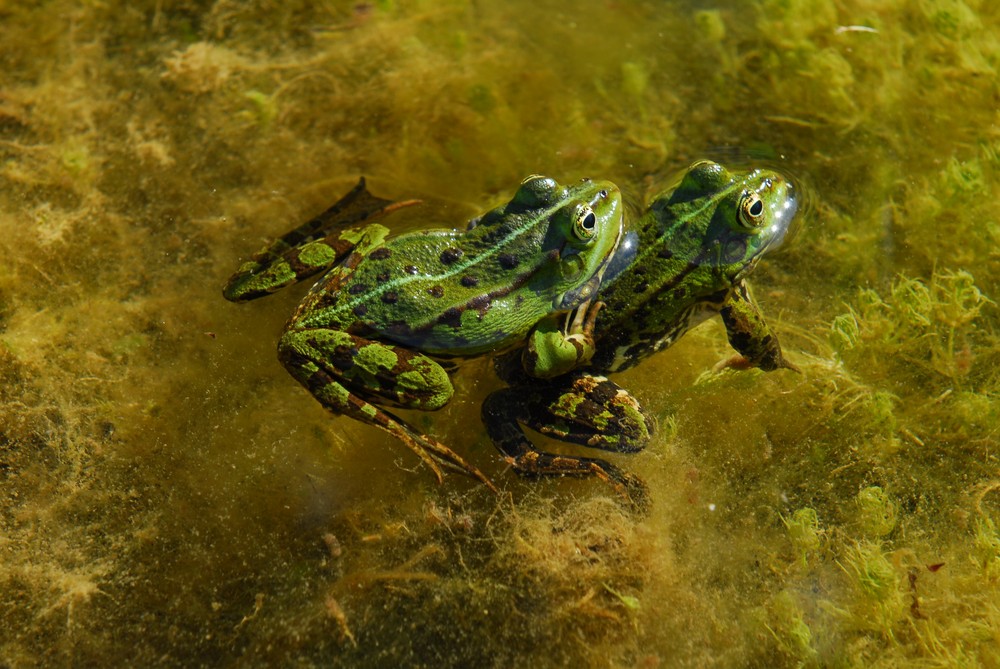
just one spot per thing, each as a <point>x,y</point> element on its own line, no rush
<point>172,497</point>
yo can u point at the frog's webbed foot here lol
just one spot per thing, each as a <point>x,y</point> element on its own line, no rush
<point>591,411</point>
<point>431,451</point>
<point>741,362</point>
<point>631,489</point>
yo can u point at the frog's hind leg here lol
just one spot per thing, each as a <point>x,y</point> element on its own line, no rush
<point>326,361</point>
<point>590,411</point>
<point>314,246</point>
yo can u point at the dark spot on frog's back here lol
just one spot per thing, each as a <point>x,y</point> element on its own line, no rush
<point>680,292</point>
<point>448,256</point>
<point>357,288</point>
<point>360,310</point>
<point>398,329</point>
<point>480,303</point>
<point>381,253</point>
<point>469,281</point>
<point>436,291</point>
<point>390,297</point>
<point>452,317</point>
<point>382,277</point>
<point>665,253</point>
<point>411,269</point>
<point>507,260</point>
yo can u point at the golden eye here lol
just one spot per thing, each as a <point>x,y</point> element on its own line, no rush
<point>751,210</point>
<point>531,177</point>
<point>585,223</point>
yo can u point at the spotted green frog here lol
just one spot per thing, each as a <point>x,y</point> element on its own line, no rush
<point>683,260</point>
<point>373,331</point>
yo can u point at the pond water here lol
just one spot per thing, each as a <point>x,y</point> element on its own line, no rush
<point>172,497</point>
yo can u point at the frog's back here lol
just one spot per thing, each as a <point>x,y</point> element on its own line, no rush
<point>440,290</point>
<point>693,248</point>
<point>466,293</point>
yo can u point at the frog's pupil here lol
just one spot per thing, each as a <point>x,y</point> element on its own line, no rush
<point>757,208</point>
<point>589,221</point>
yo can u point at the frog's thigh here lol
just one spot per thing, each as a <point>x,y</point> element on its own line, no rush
<point>504,411</point>
<point>592,411</point>
<point>368,369</point>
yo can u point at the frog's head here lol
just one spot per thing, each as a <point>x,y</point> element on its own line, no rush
<point>739,216</point>
<point>585,226</point>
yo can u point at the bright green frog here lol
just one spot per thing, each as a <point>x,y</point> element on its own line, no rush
<point>364,336</point>
<point>683,260</point>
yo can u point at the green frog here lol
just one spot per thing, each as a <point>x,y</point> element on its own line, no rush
<point>383,325</point>
<point>683,260</point>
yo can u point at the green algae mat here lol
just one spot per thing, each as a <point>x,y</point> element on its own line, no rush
<point>169,496</point>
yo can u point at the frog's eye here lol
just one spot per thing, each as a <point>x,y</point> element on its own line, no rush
<point>751,210</point>
<point>705,165</point>
<point>585,223</point>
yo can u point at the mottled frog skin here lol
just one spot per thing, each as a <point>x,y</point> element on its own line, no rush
<point>372,331</point>
<point>683,260</point>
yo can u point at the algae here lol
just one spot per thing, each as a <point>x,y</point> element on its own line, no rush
<point>171,497</point>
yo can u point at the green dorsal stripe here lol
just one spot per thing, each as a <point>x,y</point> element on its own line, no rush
<point>458,267</point>
<point>655,247</point>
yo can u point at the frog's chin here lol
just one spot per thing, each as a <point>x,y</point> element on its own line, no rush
<point>571,299</point>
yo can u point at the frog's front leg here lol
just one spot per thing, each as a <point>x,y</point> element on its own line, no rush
<point>552,351</point>
<point>749,333</point>
<point>344,372</point>
<point>591,411</point>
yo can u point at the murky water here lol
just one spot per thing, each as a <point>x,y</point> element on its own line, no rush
<point>172,497</point>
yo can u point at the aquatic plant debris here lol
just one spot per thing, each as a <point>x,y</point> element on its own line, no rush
<point>171,498</point>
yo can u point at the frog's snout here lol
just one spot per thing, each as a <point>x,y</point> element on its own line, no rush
<point>783,212</point>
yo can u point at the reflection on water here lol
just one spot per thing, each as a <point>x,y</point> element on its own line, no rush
<point>171,496</point>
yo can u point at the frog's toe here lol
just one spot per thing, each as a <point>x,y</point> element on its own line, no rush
<point>441,455</point>
<point>631,490</point>
<point>636,495</point>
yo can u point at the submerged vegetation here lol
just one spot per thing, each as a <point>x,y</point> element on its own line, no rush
<point>170,497</point>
